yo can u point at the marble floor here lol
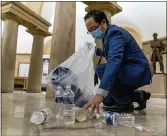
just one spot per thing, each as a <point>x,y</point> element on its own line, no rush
<point>17,108</point>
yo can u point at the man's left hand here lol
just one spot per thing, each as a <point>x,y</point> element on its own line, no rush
<point>94,103</point>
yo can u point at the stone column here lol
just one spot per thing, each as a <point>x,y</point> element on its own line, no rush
<point>9,45</point>
<point>110,9</point>
<point>35,70</point>
<point>63,39</point>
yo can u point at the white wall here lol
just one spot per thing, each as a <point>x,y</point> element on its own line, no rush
<point>81,31</point>
<point>147,17</point>
<point>48,10</point>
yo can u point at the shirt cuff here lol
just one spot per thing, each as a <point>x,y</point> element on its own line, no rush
<point>102,92</point>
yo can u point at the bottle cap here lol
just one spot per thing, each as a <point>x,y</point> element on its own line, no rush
<point>68,87</point>
<point>59,88</point>
<point>33,119</point>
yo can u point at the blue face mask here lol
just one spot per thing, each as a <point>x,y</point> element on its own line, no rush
<point>97,34</point>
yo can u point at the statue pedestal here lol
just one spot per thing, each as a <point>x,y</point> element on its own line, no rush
<point>158,86</point>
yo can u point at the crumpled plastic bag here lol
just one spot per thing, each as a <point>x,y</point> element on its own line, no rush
<point>78,72</point>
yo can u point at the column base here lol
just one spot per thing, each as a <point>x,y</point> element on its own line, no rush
<point>153,95</point>
<point>33,91</point>
<point>158,86</point>
<point>6,91</point>
<point>49,93</point>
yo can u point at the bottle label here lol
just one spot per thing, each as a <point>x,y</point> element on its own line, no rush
<point>110,118</point>
<point>59,99</point>
<point>68,100</point>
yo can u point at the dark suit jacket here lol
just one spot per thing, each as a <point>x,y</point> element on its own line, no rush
<point>124,58</point>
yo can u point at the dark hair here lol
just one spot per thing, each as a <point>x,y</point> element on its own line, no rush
<point>155,34</point>
<point>98,16</point>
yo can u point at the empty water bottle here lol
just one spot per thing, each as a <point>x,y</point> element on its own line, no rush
<point>39,117</point>
<point>68,106</point>
<point>125,119</point>
<point>59,102</point>
<point>113,118</point>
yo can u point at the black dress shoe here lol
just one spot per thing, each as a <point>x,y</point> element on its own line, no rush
<point>142,104</point>
<point>119,108</point>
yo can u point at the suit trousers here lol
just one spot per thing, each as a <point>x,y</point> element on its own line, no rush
<point>120,93</point>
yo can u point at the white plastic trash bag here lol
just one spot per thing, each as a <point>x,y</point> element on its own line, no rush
<point>78,72</point>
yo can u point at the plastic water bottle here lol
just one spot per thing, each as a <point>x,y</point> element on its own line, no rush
<point>59,102</point>
<point>125,119</point>
<point>113,118</point>
<point>39,117</point>
<point>68,106</point>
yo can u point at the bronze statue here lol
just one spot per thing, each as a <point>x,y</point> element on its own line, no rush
<point>157,48</point>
